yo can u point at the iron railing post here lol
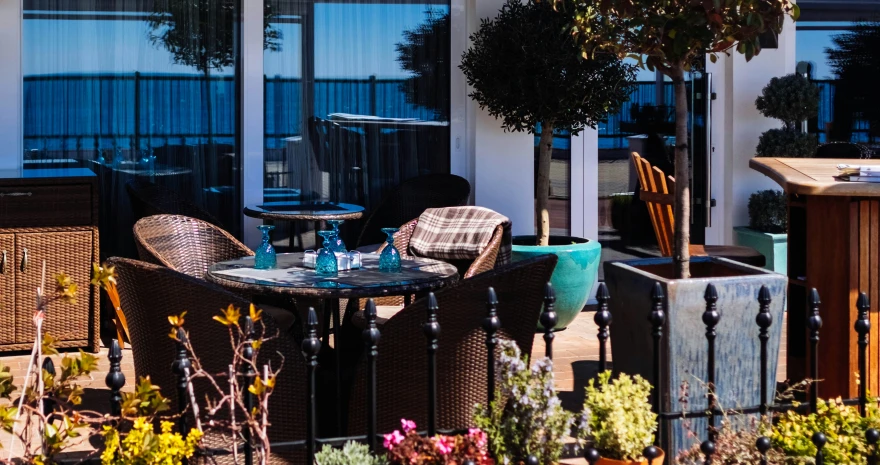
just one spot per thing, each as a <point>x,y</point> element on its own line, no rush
<point>432,332</point>
<point>371,340</point>
<point>491,324</point>
<point>711,317</point>
<point>603,320</point>
<point>311,345</point>
<point>863,328</point>
<point>814,322</point>
<point>764,320</point>
<point>657,318</point>
<point>548,319</point>
<point>115,379</point>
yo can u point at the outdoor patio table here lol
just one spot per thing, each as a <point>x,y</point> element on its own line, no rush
<point>290,278</point>
<point>834,247</point>
<point>297,210</point>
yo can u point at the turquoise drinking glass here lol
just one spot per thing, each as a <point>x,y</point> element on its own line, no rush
<point>336,242</point>
<point>325,262</point>
<point>389,259</point>
<point>265,258</point>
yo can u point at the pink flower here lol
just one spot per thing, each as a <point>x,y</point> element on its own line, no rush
<point>444,444</point>
<point>479,436</point>
<point>393,439</point>
<point>407,425</point>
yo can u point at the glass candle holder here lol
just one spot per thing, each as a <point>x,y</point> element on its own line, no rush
<point>389,259</point>
<point>325,263</point>
<point>265,258</point>
<point>336,242</point>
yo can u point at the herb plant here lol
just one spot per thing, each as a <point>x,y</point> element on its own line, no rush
<point>617,419</point>
<point>352,453</point>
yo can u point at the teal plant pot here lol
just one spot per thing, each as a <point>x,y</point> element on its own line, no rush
<point>774,247</point>
<point>575,271</point>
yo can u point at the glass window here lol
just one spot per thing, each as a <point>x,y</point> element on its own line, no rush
<point>141,92</point>
<point>357,101</point>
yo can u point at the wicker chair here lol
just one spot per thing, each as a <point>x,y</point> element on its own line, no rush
<point>461,360</point>
<point>843,150</point>
<point>410,199</point>
<point>185,244</point>
<point>149,199</point>
<point>150,294</point>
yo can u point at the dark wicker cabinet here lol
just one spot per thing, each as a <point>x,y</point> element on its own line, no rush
<point>48,216</point>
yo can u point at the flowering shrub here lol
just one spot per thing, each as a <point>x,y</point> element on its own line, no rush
<point>410,448</point>
<point>526,418</point>
<point>617,418</point>
<point>142,446</point>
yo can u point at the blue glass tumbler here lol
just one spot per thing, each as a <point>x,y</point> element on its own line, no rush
<point>336,242</point>
<point>325,262</point>
<point>265,255</point>
<point>389,259</point>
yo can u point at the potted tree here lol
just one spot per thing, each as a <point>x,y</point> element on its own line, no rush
<point>791,99</point>
<point>673,37</point>
<point>525,69</point>
<point>766,232</point>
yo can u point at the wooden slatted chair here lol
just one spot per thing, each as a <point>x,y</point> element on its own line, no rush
<point>657,191</point>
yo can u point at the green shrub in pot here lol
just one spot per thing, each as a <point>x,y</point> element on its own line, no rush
<point>768,211</point>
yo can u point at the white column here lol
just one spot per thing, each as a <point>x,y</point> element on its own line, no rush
<point>251,102</point>
<point>504,161</point>
<point>10,84</point>
<point>461,13</point>
<point>736,127</point>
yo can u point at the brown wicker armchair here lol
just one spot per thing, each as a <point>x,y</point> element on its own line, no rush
<point>466,268</point>
<point>185,244</point>
<point>150,294</point>
<point>461,360</point>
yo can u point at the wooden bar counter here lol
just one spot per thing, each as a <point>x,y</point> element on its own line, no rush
<point>833,246</point>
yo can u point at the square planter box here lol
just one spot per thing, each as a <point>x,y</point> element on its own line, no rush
<point>684,355</point>
<point>772,246</point>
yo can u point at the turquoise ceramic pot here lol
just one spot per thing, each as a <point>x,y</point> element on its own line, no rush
<point>575,271</point>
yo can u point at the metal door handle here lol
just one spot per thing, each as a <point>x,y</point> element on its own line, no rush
<point>24,260</point>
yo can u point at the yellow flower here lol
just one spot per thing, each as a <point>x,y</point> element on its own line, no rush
<point>230,316</point>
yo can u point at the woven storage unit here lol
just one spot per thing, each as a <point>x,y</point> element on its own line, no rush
<point>51,216</point>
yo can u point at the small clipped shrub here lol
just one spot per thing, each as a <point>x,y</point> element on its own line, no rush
<point>791,99</point>
<point>787,143</point>
<point>841,424</point>
<point>352,453</point>
<point>617,419</point>
<point>767,212</point>
<point>526,417</point>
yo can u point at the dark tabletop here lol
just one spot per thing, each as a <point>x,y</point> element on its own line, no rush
<point>291,278</point>
<point>304,211</point>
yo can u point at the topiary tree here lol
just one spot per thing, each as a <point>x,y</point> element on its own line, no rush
<point>524,68</point>
<point>791,99</point>
<point>673,36</point>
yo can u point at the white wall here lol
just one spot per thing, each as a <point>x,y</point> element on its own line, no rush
<point>10,84</point>
<point>503,161</point>
<point>736,127</point>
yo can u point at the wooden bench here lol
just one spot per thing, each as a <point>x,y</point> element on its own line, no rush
<point>658,192</point>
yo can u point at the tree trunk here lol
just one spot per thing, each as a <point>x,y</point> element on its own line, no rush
<point>542,189</point>
<point>681,254</point>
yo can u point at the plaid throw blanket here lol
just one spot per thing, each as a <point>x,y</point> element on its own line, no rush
<point>459,233</point>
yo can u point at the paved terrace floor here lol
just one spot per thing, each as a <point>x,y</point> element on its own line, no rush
<point>576,355</point>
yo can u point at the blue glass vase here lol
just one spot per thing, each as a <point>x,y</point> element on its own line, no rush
<point>389,259</point>
<point>336,242</point>
<point>265,255</point>
<point>325,262</point>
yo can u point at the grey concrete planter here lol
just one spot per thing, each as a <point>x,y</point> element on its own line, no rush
<point>684,347</point>
<point>774,247</point>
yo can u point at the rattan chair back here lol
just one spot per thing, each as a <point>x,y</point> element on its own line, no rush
<point>185,244</point>
<point>402,383</point>
<point>150,294</point>
<point>410,199</point>
<point>843,150</point>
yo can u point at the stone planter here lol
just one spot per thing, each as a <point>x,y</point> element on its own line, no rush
<point>772,246</point>
<point>683,346</point>
<point>575,271</point>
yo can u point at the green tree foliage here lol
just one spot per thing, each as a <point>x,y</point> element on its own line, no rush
<point>425,53</point>
<point>525,69</point>
<point>673,36</point>
<point>791,98</point>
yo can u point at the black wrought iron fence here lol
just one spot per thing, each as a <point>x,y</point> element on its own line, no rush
<point>491,326</point>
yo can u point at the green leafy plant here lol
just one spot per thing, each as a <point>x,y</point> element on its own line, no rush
<point>526,418</point>
<point>768,212</point>
<point>143,446</point>
<point>352,453</point>
<point>673,36</point>
<point>617,419</point>
<point>842,425</point>
<point>786,143</point>
<point>524,68</point>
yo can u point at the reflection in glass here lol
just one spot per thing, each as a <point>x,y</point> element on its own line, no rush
<point>357,101</point>
<point>141,92</point>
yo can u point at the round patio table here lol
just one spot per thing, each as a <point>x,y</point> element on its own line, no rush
<point>291,278</point>
<point>297,210</point>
